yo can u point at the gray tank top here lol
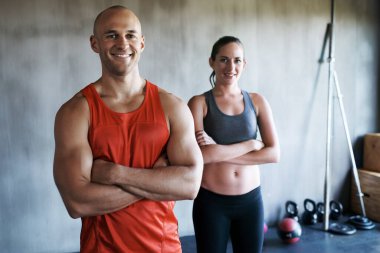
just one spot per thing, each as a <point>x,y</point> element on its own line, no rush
<point>227,129</point>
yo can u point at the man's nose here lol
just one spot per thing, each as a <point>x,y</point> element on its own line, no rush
<point>122,42</point>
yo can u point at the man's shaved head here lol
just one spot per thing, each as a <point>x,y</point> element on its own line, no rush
<point>105,12</point>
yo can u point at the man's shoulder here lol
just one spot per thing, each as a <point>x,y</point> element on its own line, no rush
<point>75,105</point>
<point>75,101</point>
<point>166,96</point>
<point>174,107</point>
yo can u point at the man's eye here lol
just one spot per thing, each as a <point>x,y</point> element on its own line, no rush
<point>131,36</point>
<point>111,36</point>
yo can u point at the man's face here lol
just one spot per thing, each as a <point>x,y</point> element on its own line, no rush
<point>118,41</point>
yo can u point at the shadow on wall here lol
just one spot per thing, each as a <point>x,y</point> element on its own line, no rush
<point>358,149</point>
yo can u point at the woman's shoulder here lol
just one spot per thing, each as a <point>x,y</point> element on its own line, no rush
<point>256,96</point>
<point>198,97</point>
<point>259,101</point>
<point>198,103</point>
<point>201,98</point>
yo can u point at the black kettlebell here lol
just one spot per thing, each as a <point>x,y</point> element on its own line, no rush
<point>320,211</point>
<point>336,210</point>
<point>291,209</point>
<point>309,216</point>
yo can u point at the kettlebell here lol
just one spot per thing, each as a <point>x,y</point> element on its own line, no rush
<point>309,216</point>
<point>336,210</point>
<point>320,211</point>
<point>291,209</point>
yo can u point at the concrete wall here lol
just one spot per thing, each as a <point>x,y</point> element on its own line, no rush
<point>45,58</point>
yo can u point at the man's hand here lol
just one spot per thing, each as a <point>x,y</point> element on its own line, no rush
<point>100,172</point>
<point>101,169</point>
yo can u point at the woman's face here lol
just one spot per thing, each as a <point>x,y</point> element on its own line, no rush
<point>228,64</point>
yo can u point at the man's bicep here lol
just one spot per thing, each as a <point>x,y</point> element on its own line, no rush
<point>196,108</point>
<point>72,167</point>
<point>182,147</point>
<point>73,156</point>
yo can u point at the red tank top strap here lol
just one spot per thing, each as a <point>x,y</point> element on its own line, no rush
<point>91,95</point>
<point>153,101</point>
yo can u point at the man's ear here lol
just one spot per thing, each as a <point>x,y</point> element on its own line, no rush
<point>94,44</point>
<point>142,43</point>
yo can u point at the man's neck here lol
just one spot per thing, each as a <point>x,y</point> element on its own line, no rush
<point>116,86</point>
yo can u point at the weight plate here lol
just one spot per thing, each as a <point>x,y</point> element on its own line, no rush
<point>361,222</point>
<point>342,229</point>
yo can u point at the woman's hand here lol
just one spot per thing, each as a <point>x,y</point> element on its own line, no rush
<point>162,161</point>
<point>258,145</point>
<point>203,138</point>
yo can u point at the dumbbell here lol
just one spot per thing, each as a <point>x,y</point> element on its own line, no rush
<point>309,216</point>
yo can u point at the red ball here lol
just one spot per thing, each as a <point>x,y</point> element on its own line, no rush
<point>289,230</point>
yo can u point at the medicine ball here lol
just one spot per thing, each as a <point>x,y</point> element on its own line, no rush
<point>289,230</point>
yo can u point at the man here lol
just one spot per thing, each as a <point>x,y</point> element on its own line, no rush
<point>125,149</point>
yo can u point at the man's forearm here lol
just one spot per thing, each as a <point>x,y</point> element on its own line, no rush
<point>161,183</point>
<point>92,199</point>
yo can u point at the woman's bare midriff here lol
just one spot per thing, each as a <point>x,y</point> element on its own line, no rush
<point>230,179</point>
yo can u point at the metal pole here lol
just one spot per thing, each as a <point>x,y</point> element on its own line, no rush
<point>331,60</point>
<point>354,167</point>
<point>328,152</point>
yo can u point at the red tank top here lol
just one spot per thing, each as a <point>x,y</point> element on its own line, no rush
<point>135,139</point>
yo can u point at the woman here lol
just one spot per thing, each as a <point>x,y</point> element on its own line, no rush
<point>229,203</point>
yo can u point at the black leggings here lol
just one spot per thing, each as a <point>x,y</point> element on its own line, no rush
<point>217,217</point>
